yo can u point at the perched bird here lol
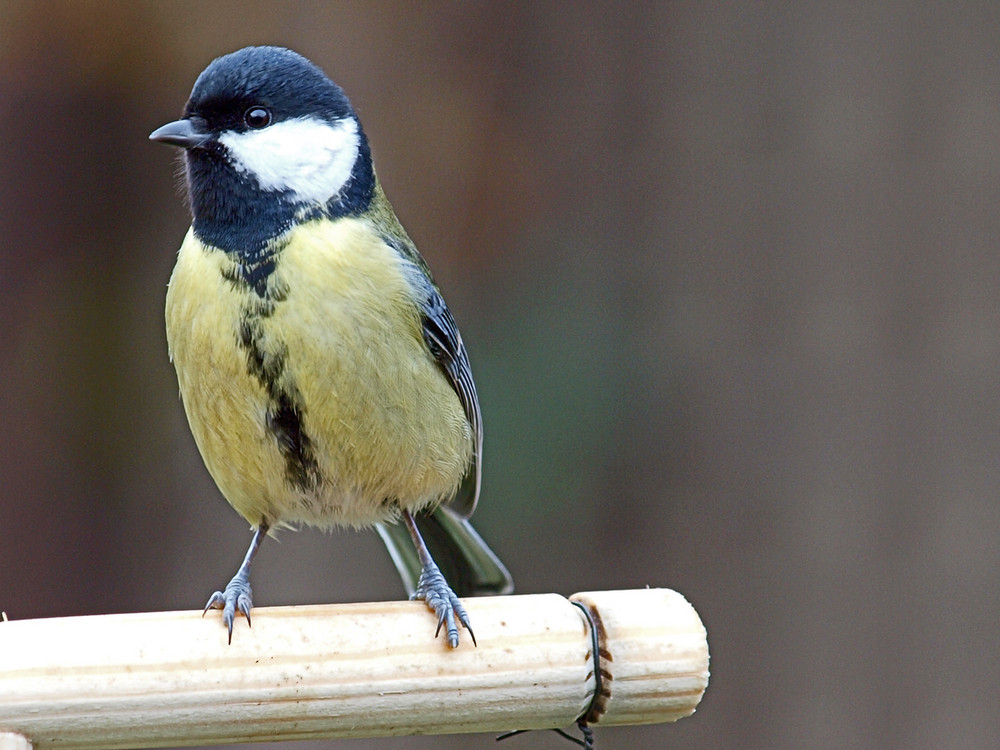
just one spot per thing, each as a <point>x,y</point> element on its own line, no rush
<point>321,371</point>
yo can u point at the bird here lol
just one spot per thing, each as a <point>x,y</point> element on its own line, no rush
<point>323,375</point>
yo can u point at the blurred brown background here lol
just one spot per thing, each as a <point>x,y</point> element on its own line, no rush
<point>730,279</point>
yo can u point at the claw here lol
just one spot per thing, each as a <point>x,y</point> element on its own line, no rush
<point>435,591</point>
<point>236,596</point>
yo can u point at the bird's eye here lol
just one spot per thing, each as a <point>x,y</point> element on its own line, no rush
<point>257,118</point>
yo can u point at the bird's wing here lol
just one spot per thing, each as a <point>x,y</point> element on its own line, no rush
<point>445,344</point>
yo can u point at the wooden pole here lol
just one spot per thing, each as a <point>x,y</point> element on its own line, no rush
<point>348,670</point>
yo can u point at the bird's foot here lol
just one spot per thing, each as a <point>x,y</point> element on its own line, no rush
<point>435,591</point>
<point>237,597</point>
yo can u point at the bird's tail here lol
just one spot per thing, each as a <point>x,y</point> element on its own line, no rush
<point>465,561</point>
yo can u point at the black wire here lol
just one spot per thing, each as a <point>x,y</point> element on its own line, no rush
<point>587,743</point>
<point>595,646</point>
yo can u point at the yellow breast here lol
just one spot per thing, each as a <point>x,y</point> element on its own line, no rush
<point>335,349</point>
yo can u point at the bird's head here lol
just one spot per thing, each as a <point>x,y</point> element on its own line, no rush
<point>268,139</point>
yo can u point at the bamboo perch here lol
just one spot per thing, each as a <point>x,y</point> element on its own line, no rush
<point>348,670</point>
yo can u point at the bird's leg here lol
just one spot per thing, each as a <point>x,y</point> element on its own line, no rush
<point>433,589</point>
<point>238,595</point>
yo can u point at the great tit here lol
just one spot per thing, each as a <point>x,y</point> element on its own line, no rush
<point>322,373</point>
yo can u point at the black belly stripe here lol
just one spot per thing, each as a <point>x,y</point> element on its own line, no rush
<point>284,414</point>
<point>284,420</point>
<point>253,272</point>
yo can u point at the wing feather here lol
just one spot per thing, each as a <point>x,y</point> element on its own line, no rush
<point>445,344</point>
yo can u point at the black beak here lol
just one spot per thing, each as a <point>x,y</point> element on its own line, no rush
<point>182,133</point>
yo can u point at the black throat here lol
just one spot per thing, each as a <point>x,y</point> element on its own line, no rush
<point>233,213</point>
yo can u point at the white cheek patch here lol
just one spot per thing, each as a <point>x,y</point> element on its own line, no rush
<point>310,157</point>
